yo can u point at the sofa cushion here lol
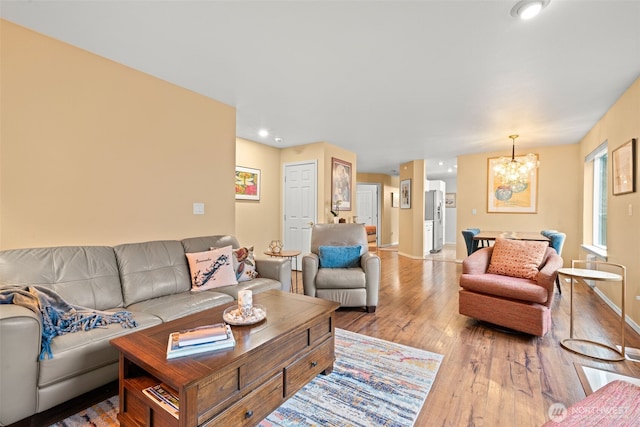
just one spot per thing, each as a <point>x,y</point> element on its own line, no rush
<point>257,285</point>
<point>339,256</point>
<point>505,287</point>
<point>211,269</point>
<point>152,269</point>
<point>170,307</point>
<point>84,351</point>
<point>204,243</point>
<point>517,258</point>
<point>86,276</point>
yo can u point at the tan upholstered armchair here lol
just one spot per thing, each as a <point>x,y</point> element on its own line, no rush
<point>497,297</point>
<point>340,267</point>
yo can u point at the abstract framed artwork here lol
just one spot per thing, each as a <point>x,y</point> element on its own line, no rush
<point>247,183</point>
<point>405,194</point>
<point>624,168</point>
<point>340,184</point>
<point>503,197</point>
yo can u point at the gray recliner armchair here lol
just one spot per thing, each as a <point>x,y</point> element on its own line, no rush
<point>354,284</point>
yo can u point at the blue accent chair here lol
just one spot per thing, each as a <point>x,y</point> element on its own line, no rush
<point>468,234</point>
<point>556,241</point>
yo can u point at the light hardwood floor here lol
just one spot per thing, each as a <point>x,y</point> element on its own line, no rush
<point>488,377</point>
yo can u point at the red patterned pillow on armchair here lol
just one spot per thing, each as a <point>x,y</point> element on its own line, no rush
<point>517,258</point>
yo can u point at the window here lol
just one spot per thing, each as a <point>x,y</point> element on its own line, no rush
<point>599,157</point>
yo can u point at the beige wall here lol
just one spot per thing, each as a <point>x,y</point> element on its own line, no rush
<point>322,153</point>
<point>259,222</point>
<point>559,197</point>
<point>411,221</point>
<point>620,124</point>
<point>388,233</point>
<point>97,153</point>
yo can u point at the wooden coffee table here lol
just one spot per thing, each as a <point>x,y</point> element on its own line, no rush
<point>237,387</point>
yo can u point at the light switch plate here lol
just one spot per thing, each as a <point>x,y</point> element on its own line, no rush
<point>198,208</point>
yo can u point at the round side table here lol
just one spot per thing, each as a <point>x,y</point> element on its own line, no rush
<point>580,275</point>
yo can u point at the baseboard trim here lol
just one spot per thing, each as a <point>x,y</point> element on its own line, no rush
<point>618,310</point>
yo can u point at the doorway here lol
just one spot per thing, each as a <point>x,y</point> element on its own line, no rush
<point>368,206</point>
<point>299,206</point>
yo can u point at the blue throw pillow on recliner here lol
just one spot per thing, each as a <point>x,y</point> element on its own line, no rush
<point>339,256</point>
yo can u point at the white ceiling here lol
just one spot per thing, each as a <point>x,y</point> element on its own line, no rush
<point>392,81</point>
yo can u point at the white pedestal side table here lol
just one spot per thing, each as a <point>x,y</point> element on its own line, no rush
<point>582,274</point>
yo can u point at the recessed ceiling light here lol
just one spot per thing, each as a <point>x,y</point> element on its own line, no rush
<point>263,133</point>
<point>440,163</point>
<point>527,9</point>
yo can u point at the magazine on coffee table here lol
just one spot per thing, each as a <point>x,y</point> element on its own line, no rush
<point>203,334</point>
<point>174,349</point>
<point>164,397</point>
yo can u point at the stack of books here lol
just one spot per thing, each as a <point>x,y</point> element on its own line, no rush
<point>200,340</point>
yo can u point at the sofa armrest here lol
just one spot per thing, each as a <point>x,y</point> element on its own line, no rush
<point>370,263</point>
<point>277,269</point>
<point>310,265</point>
<point>20,335</point>
<point>477,262</point>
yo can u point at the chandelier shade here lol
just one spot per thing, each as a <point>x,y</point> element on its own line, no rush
<point>514,173</point>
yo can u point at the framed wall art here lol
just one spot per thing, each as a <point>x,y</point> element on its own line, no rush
<point>450,200</point>
<point>405,194</point>
<point>624,168</point>
<point>247,183</point>
<point>504,197</point>
<point>340,184</point>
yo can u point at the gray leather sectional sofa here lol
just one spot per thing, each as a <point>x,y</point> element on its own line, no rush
<point>150,279</point>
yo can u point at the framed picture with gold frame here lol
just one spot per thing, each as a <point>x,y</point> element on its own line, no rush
<point>340,184</point>
<point>505,198</point>
<point>623,167</point>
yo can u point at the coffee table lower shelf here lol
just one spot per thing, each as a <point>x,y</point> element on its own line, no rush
<point>248,410</point>
<point>234,387</point>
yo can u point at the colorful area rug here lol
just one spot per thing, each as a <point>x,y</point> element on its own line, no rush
<point>373,383</point>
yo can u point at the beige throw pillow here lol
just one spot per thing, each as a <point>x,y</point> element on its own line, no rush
<point>517,258</point>
<point>211,269</point>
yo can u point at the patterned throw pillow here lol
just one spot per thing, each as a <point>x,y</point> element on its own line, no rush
<point>211,269</point>
<point>244,264</point>
<point>517,258</point>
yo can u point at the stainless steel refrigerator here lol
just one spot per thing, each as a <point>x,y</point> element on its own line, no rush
<point>434,210</point>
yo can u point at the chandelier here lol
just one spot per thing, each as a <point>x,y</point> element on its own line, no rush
<point>515,173</point>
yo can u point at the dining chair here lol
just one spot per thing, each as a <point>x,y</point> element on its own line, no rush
<point>468,234</point>
<point>473,245</point>
<point>556,241</point>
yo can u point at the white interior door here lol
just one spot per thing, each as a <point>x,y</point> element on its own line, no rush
<point>300,211</point>
<point>367,205</point>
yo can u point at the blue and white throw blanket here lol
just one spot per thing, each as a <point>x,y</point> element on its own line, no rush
<point>59,317</point>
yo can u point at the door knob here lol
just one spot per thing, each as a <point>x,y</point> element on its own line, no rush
<point>311,224</point>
